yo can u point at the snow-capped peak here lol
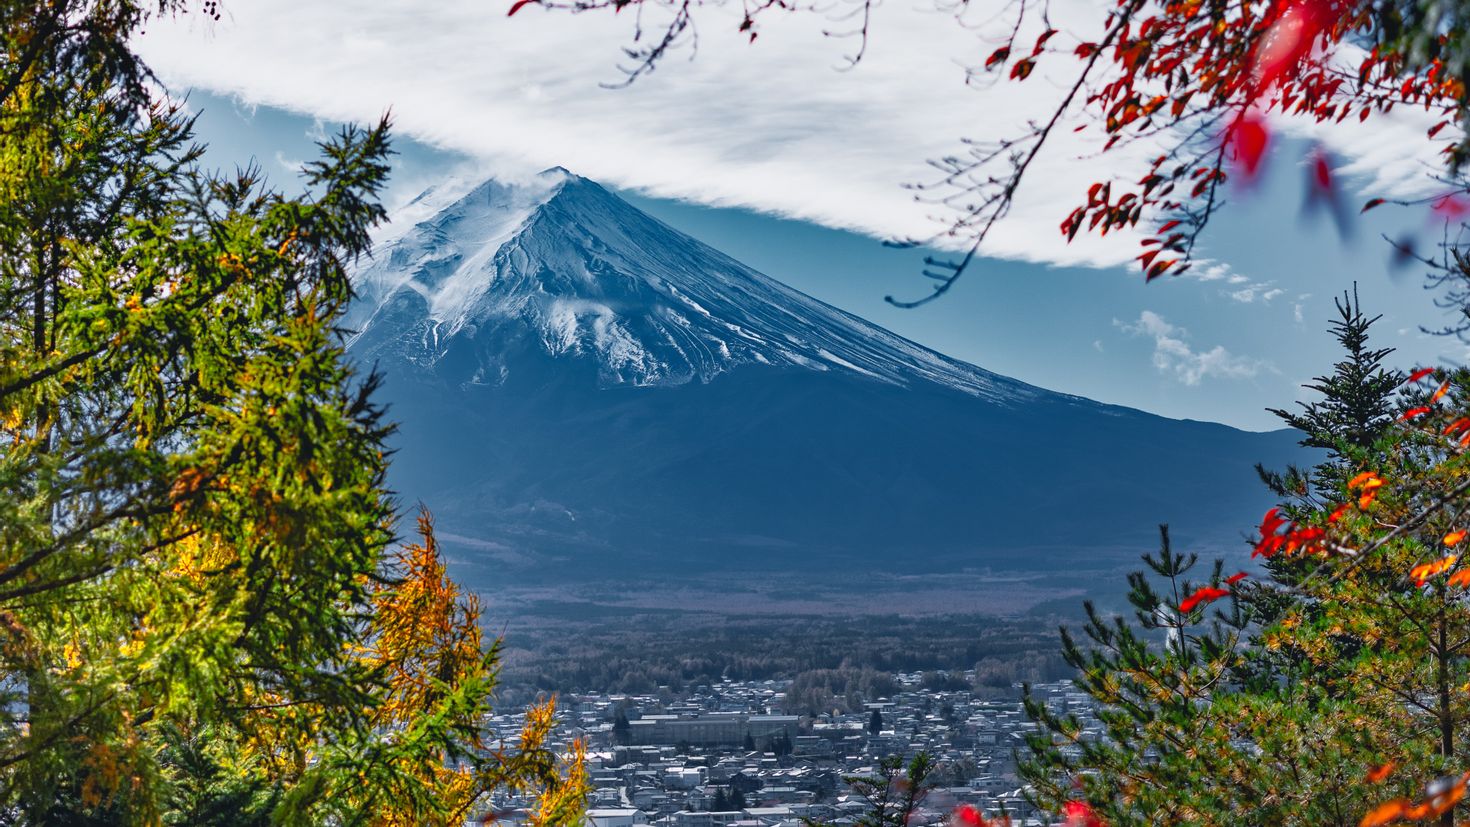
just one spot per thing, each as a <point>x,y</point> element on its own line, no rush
<point>565,267</point>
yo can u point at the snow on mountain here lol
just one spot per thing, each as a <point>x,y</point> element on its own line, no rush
<point>595,278</point>
<point>579,383</point>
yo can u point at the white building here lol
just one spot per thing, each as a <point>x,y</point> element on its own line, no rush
<point>619,817</point>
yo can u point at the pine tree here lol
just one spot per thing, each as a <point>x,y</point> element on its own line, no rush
<point>1152,681</point>
<point>875,722</point>
<point>1349,650</point>
<point>894,792</point>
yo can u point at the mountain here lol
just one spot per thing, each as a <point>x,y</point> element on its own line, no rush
<point>584,391</point>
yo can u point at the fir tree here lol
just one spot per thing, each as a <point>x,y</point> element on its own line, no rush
<point>875,722</point>
<point>1356,408</point>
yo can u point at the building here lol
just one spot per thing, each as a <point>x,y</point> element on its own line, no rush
<point>619,817</point>
<point>728,729</point>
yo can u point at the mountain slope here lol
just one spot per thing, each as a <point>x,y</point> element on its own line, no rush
<point>578,382</point>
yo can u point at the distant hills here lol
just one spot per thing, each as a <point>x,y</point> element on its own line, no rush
<point>585,392</point>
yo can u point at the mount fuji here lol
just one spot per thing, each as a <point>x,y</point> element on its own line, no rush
<point>583,390</point>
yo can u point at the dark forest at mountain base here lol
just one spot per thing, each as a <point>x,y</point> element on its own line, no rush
<point>834,660</point>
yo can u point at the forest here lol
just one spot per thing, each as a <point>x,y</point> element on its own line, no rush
<point>826,657</point>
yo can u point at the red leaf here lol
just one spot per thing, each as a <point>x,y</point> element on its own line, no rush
<point>1451,208</point>
<point>1159,268</point>
<point>1236,578</point>
<point>1041,41</point>
<point>1204,594</point>
<point>518,5</point>
<point>997,56</point>
<point>1372,202</point>
<point>1078,814</point>
<point>1417,375</point>
<point>1251,138</point>
<point>1413,413</point>
<point>1271,522</point>
<point>967,816</point>
<point>1022,69</point>
<point>1322,172</point>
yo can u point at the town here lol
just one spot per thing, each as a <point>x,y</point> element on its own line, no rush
<point>729,755</point>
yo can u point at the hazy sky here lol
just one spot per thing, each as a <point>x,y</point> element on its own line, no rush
<point>771,154</point>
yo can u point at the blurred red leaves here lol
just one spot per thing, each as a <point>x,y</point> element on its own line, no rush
<point>1202,595</point>
<point>1250,139</point>
<point>1079,814</point>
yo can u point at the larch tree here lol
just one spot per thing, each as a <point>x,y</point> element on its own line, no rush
<point>199,613</point>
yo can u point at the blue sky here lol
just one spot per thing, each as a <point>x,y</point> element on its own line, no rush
<point>1181,347</point>
<point>774,154</point>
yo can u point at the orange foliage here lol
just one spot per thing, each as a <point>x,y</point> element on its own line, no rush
<point>1441,797</point>
<point>428,643</point>
<point>1424,571</point>
<point>1379,773</point>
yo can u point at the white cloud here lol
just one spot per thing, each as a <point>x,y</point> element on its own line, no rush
<point>1256,290</point>
<point>1172,353</point>
<point>768,125</point>
<point>1210,271</point>
<point>291,165</point>
<point>1241,288</point>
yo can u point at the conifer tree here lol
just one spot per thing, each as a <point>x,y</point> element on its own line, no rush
<point>1357,407</point>
<point>1355,411</point>
<point>894,792</point>
<point>1350,649</point>
<point>197,621</point>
